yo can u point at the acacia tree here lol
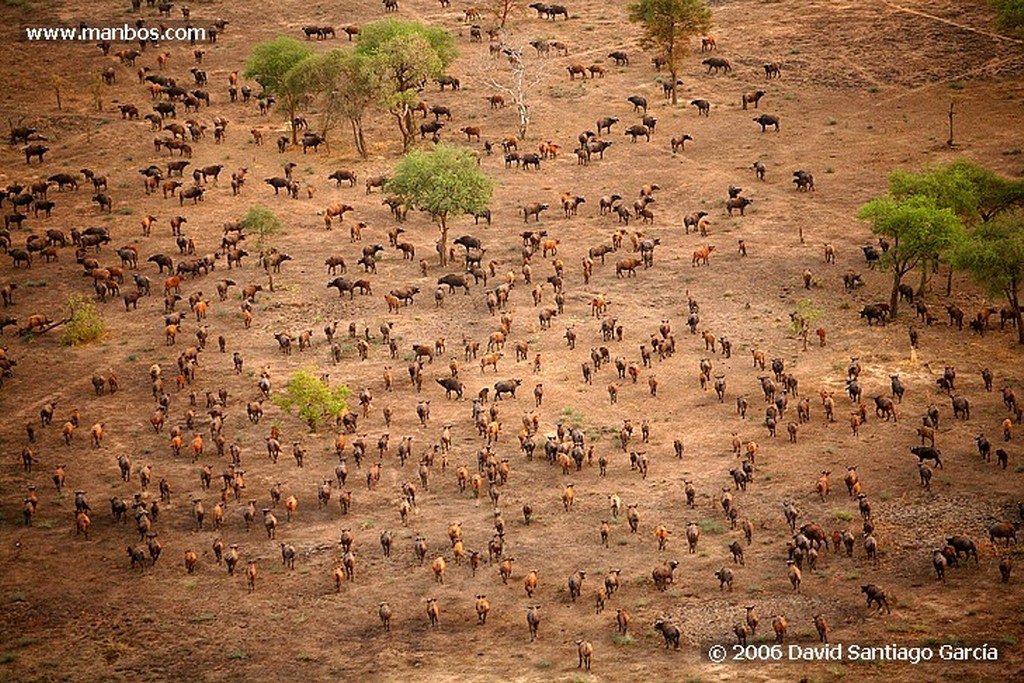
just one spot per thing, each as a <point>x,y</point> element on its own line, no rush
<point>974,193</point>
<point>403,56</point>
<point>445,181</point>
<point>993,253</point>
<point>347,87</point>
<point>668,26</point>
<point>917,230</point>
<point>276,66</point>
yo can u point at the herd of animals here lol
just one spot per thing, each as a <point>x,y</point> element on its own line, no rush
<point>195,421</point>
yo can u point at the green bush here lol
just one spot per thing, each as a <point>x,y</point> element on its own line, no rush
<point>262,222</point>
<point>312,399</point>
<point>84,325</point>
<point>1010,14</point>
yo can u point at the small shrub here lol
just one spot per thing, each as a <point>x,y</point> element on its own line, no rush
<point>711,526</point>
<point>312,399</point>
<point>262,222</point>
<point>842,515</point>
<point>238,654</point>
<point>84,325</point>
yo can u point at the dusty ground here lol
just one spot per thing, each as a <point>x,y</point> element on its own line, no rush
<point>865,88</point>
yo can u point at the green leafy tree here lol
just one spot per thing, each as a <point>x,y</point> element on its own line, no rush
<point>403,56</point>
<point>917,229</point>
<point>83,324</point>
<point>445,181</point>
<point>993,253</point>
<point>347,87</point>
<point>262,222</point>
<point>971,191</point>
<point>312,399</point>
<point>668,27</point>
<point>274,64</point>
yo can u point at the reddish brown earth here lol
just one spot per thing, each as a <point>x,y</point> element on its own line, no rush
<point>865,88</point>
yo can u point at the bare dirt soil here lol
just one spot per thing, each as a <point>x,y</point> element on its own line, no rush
<point>865,88</point>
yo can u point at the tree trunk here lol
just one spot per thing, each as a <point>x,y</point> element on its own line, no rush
<point>443,246</point>
<point>408,128</point>
<point>1011,297</point>
<point>357,136</point>
<point>894,296</point>
<point>405,127</point>
<point>924,281</point>
<point>672,75</point>
<point>949,281</point>
<point>292,108</point>
<point>524,118</point>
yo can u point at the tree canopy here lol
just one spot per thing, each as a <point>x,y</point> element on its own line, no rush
<point>918,230</point>
<point>270,61</point>
<point>668,27</point>
<point>445,181</point>
<point>379,36</point>
<point>971,191</point>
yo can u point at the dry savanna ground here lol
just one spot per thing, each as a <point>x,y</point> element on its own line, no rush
<point>865,87</point>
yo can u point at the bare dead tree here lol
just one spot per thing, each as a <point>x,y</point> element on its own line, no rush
<point>515,80</point>
<point>503,10</point>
